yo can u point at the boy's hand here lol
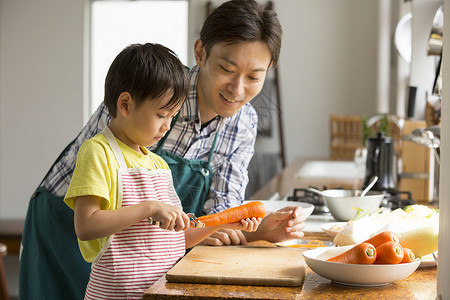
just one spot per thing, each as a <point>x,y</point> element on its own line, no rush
<point>225,236</point>
<point>169,216</point>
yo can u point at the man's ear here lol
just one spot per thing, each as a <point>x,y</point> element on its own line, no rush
<point>123,103</point>
<point>200,53</point>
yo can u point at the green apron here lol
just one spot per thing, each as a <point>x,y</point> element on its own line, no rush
<point>191,177</point>
<point>51,265</point>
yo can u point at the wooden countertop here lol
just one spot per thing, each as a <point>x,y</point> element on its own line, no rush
<point>419,285</point>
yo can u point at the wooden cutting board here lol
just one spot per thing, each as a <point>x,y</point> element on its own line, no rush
<point>241,265</point>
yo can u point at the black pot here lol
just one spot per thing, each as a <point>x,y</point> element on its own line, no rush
<point>380,162</point>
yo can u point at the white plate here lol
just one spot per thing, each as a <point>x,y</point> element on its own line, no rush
<point>356,275</point>
<point>428,261</point>
<point>274,205</point>
<point>332,229</point>
<point>303,243</point>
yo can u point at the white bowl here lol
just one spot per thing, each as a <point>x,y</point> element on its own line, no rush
<point>332,229</point>
<point>356,275</point>
<point>343,204</point>
<point>274,205</point>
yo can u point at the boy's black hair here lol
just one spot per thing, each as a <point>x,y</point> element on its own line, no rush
<point>146,72</point>
<point>238,21</point>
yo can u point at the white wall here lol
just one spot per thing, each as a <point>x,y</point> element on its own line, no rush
<point>41,92</point>
<point>328,65</point>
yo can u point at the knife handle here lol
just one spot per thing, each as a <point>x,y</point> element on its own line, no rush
<point>153,222</point>
<point>193,222</point>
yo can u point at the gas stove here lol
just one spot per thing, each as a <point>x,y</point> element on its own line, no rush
<point>392,200</point>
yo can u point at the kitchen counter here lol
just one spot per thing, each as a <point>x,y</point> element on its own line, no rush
<point>419,285</point>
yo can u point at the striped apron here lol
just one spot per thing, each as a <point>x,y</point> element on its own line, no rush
<point>133,259</point>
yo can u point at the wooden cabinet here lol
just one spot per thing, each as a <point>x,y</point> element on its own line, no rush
<point>416,174</point>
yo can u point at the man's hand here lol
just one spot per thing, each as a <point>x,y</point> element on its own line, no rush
<point>280,226</point>
<point>225,237</point>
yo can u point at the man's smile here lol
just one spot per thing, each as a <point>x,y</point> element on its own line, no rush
<point>228,99</point>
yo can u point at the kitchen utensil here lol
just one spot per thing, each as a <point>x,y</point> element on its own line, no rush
<point>428,261</point>
<point>241,265</point>
<point>403,37</point>
<point>344,204</point>
<point>372,182</point>
<point>354,274</point>
<point>437,33</point>
<point>435,257</point>
<point>194,222</point>
<point>317,192</point>
<point>380,162</point>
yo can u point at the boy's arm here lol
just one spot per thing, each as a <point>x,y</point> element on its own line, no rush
<point>91,222</point>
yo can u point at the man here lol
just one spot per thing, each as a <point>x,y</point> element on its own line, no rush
<point>208,149</point>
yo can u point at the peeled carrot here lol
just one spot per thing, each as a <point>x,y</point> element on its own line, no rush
<point>408,256</point>
<point>389,253</point>
<point>363,253</point>
<point>249,210</point>
<point>383,237</point>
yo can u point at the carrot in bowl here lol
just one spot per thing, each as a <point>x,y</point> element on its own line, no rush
<point>363,253</point>
<point>252,209</point>
<point>383,237</point>
<point>389,253</point>
<point>408,256</point>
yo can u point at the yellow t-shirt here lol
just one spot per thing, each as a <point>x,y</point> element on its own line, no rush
<point>96,174</point>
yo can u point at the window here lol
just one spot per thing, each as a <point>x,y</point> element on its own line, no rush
<point>117,24</point>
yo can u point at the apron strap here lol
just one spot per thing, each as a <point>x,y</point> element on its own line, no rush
<point>172,124</point>
<point>114,147</point>
<point>211,152</point>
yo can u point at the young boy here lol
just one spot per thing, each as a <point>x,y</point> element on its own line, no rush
<point>118,184</point>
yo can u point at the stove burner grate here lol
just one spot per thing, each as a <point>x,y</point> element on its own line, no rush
<point>394,200</point>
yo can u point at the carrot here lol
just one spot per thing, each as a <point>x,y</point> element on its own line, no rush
<point>383,237</point>
<point>249,210</point>
<point>311,244</point>
<point>363,253</point>
<point>389,253</point>
<point>408,256</point>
